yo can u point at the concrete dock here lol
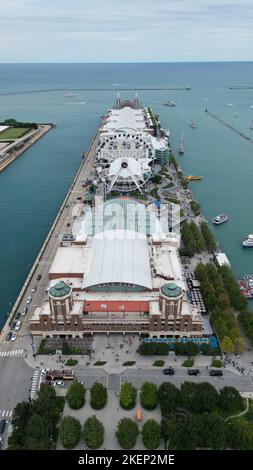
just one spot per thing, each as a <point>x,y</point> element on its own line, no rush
<point>19,146</point>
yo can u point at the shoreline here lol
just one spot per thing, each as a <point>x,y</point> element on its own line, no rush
<point>26,141</point>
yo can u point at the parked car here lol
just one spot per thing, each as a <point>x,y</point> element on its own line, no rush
<point>193,372</point>
<point>2,425</point>
<point>44,371</point>
<point>29,300</point>
<point>34,288</point>
<point>24,312</point>
<point>215,372</point>
<point>39,277</point>
<point>18,314</point>
<point>59,384</point>
<point>8,336</point>
<point>18,325</point>
<point>12,325</point>
<point>13,337</point>
<point>168,371</point>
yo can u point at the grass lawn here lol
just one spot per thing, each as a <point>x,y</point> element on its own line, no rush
<point>14,132</point>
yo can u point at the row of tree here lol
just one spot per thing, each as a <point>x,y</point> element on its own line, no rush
<point>197,239</point>
<point>71,431</point>
<point>76,395</point>
<point>218,302</point>
<point>182,349</point>
<point>206,431</point>
<point>14,123</point>
<point>198,398</point>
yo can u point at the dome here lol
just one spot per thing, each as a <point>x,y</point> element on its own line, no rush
<point>171,290</point>
<point>61,289</point>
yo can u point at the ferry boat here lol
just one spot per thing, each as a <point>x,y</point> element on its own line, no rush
<point>246,286</point>
<point>220,219</point>
<point>193,178</point>
<point>169,103</point>
<point>181,145</point>
<point>188,87</point>
<point>248,241</point>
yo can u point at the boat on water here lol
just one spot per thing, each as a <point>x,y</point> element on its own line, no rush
<point>246,286</point>
<point>248,241</point>
<point>193,125</point>
<point>68,94</point>
<point>220,219</point>
<point>181,145</point>
<point>169,103</point>
<point>188,87</point>
<point>193,178</point>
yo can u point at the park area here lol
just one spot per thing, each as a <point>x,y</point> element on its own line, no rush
<point>14,132</point>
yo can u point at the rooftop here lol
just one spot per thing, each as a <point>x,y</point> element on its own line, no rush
<point>60,289</point>
<point>171,290</point>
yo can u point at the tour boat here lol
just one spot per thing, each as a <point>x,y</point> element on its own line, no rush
<point>248,241</point>
<point>220,219</point>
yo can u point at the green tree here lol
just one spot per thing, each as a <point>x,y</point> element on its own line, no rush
<point>76,395</point>
<point>127,433</point>
<point>239,435</point>
<point>238,345</point>
<point>98,396</point>
<point>149,395</point>
<point>230,399</point>
<point>128,395</point>
<point>93,432</point>
<point>206,397</point>
<point>227,345</point>
<point>151,434</point>
<point>69,432</point>
<point>169,397</point>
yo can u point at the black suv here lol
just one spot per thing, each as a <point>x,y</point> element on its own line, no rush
<point>216,373</point>
<point>193,372</point>
<point>8,336</point>
<point>18,315</point>
<point>169,371</point>
<point>2,426</point>
<point>12,325</point>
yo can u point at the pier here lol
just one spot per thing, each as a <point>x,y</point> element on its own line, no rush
<point>11,152</point>
<point>98,89</point>
<point>232,128</point>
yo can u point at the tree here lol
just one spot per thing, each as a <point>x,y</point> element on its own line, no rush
<point>98,396</point>
<point>227,345</point>
<point>206,397</point>
<point>93,432</point>
<point>239,345</point>
<point>127,433</point>
<point>239,435</point>
<point>188,394</point>
<point>149,395</point>
<point>128,395</point>
<point>76,395</point>
<point>169,397</point>
<point>151,434</point>
<point>230,399</point>
<point>69,432</point>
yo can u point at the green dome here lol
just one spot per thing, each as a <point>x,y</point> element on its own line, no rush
<point>171,290</point>
<point>60,289</point>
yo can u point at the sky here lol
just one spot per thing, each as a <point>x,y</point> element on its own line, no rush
<point>125,30</point>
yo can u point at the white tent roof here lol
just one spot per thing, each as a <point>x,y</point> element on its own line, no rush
<point>126,118</point>
<point>119,256</point>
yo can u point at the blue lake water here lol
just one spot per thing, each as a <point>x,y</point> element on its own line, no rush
<point>33,187</point>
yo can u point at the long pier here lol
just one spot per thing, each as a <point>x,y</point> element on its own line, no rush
<point>19,146</point>
<point>232,128</point>
<point>97,89</point>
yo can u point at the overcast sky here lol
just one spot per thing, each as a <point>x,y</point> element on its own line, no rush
<point>125,30</point>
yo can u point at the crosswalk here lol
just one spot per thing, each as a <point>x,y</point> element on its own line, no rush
<point>35,383</point>
<point>12,353</point>
<point>5,414</point>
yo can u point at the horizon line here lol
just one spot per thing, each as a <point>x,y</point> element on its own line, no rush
<point>132,62</point>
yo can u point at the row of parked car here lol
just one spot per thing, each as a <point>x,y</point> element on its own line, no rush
<point>212,372</point>
<point>16,323</point>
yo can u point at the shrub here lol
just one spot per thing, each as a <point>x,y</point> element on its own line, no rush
<point>128,395</point>
<point>158,363</point>
<point>149,395</point>
<point>154,349</point>
<point>69,432</point>
<point>129,363</point>
<point>76,395</point>
<point>98,396</point>
<point>71,362</point>
<point>127,433</point>
<point>188,363</point>
<point>100,363</point>
<point>151,434</point>
<point>216,363</point>
<point>93,432</point>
